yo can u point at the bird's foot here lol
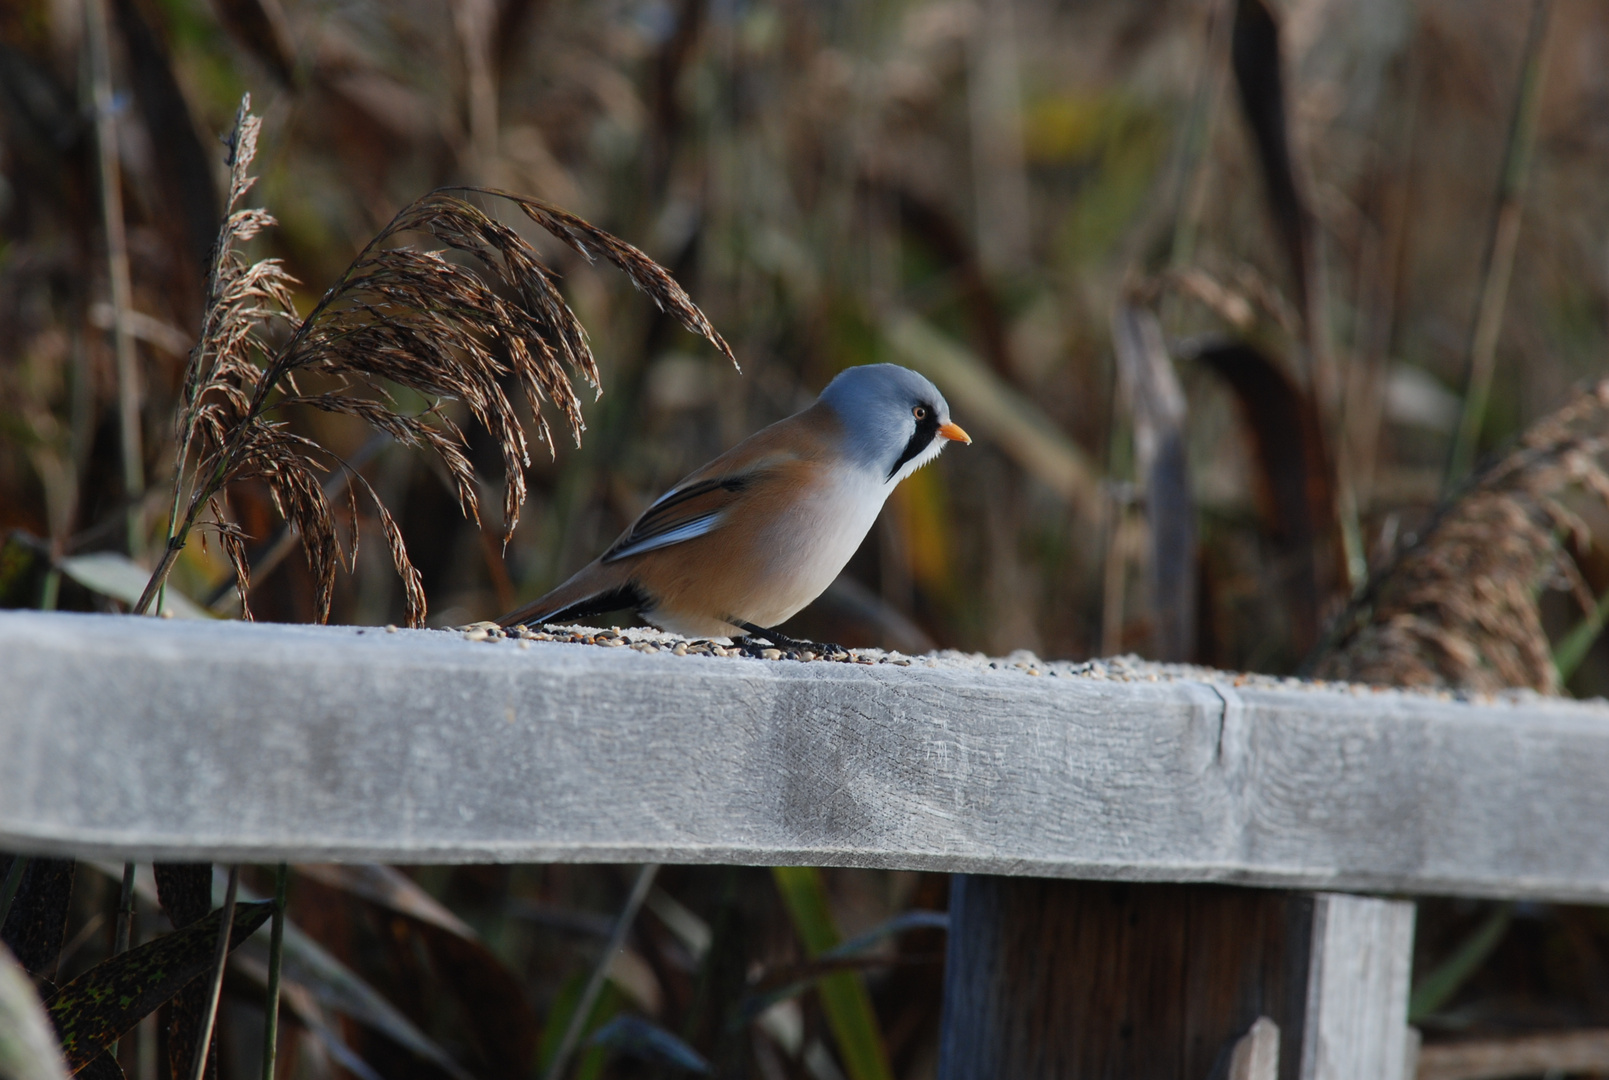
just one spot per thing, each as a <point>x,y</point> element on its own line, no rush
<point>793,648</point>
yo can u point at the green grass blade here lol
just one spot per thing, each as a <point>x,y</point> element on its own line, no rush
<point>843,996</point>
<point>584,1006</point>
<point>1569,653</point>
<point>1438,987</point>
<point>606,1007</point>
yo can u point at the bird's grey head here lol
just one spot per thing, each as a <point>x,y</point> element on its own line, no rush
<point>895,421</point>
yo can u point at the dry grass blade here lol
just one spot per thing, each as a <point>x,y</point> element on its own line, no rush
<point>398,319</point>
<point>646,274</point>
<point>1460,609</point>
<point>1502,244</point>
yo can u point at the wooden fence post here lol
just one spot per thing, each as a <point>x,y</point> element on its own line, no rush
<point>1091,980</point>
<point>1357,988</point>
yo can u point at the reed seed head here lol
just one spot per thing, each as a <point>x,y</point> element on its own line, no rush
<point>483,327</point>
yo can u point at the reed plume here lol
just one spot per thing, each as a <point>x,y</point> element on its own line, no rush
<point>1460,609</point>
<point>397,318</point>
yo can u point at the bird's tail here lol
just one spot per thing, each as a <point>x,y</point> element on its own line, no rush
<point>592,591</point>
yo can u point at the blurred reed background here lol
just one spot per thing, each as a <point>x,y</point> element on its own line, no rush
<point>1230,295</point>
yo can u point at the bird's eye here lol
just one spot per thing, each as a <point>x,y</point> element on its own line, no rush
<point>920,412</point>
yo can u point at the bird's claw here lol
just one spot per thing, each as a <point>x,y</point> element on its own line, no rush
<point>793,647</point>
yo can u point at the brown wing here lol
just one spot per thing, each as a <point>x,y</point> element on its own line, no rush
<point>703,500</point>
<point>680,514</point>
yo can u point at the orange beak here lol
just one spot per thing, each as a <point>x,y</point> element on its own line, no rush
<point>953,432</point>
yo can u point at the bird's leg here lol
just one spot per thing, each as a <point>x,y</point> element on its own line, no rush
<point>778,638</point>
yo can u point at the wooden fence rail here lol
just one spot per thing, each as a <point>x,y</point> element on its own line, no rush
<point>166,739</point>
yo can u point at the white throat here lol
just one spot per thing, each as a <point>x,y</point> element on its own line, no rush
<point>932,451</point>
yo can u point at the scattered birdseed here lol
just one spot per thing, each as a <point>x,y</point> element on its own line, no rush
<point>1125,669</point>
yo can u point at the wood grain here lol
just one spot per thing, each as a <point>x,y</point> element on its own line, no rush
<point>1357,996</point>
<point>1098,981</point>
<point>157,739</point>
<point>1101,981</point>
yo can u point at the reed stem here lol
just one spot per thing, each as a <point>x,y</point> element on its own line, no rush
<point>220,958</point>
<point>123,925</point>
<point>1502,241</point>
<point>125,911</point>
<point>276,957</point>
<point>589,996</point>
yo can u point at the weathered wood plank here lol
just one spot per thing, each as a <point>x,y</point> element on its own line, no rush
<point>1357,992</point>
<point>161,739</point>
<point>1579,1052</point>
<point>1256,1054</point>
<point>1083,980</point>
<point>1100,981</point>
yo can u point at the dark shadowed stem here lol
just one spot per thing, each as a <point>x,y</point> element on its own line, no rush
<point>117,267</point>
<point>1501,242</point>
<point>123,927</point>
<point>219,959</point>
<point>125,911</point>
<point>276,956</point>
<point>589,996</point>
<point>8,891</point>
<point>170,555</point>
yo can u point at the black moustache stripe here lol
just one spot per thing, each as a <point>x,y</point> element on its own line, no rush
<point>927,429</point>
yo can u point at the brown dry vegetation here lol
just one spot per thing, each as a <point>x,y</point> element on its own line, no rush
<point>1209,280</point>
